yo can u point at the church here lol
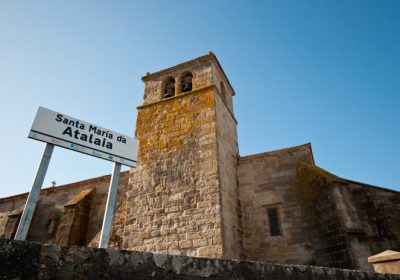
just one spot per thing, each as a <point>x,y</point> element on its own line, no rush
<point>192,194</point>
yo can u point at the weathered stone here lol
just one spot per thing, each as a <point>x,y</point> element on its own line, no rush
<point>23,260</point>
<point>70,214</point>
<point>188,153</point>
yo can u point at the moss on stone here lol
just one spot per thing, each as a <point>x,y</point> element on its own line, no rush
<point>310,179</point>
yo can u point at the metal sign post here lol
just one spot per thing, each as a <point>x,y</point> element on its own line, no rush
<point>110,206</point>
<point>30,205</point>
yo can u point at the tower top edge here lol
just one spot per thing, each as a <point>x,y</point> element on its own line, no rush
<point>201,59</point>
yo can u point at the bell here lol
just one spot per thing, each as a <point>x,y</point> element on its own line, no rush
<point>169,92</point>
<point>186,87</point>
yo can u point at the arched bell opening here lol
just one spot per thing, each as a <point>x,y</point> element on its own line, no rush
<point>169,87</point>
<point>187,82</point>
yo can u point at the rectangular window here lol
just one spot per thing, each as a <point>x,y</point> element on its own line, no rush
<point>380,227</point>
<point>274,227</point>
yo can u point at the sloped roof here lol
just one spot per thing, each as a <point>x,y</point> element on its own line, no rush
<point>334,178</point>
<point>313,169</point>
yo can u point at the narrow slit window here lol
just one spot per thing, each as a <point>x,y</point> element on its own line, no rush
<point>380,227</point>
<point>274,226</point>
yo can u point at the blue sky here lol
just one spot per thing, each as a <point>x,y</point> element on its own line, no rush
<point>325,72</point>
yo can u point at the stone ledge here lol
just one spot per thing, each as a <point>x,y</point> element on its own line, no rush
<point>181,95</point>
<point>24,260</point>
<point>385,257</point>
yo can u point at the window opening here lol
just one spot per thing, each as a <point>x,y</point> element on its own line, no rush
<point>380,227</point>
<point>169,89</point>
<point>187,83</point>
<point>274,227</point>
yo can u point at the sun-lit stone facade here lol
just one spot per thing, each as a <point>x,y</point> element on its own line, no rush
<point>183,193</point>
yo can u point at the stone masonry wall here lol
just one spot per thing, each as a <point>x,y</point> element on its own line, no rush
<point>351,231</point>
<point>173,201</point>
<point>228,155</point>
<point>223,86</point>
<point>202,77</point>
<point>23,260</point>
<point>375,220</point>
<point>346,221</point>
<point>10,213</point>
<point>50,209</point>
<point>322,219</point>
<point>73,226</point>
<point>266,181</point>
<point>185,182</point>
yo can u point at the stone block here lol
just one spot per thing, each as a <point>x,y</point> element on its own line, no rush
<point>386,262</point>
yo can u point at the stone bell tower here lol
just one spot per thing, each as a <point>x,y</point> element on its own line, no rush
<point>183,195</point>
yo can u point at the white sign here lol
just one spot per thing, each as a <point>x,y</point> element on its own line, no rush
<point>68,132</point>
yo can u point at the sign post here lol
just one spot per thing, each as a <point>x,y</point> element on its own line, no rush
<point>110,206</point>
<point>61,130</point>
<point>30,205</point>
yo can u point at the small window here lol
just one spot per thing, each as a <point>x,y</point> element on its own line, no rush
<point>380,227</point>
<point>274,227</point>
<point>52,225</point>
<point>186,83</point>
<point>169,88</point>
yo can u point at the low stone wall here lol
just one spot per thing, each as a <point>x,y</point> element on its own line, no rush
<point>24,260</point>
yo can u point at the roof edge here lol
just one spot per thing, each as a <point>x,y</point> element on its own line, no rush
<point>279,151</point>
<point>371,186</point>
<point>77,183</point>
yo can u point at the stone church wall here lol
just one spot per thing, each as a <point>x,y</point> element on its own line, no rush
<point>186,172</point>
<point>343,218</point>
<point>228,155</point>
<point>322,219</point>
<point>375,220</point>
<point>325,220</point>
<point>70,214</point>
<point>265,182</point>
<point>173,200</point>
